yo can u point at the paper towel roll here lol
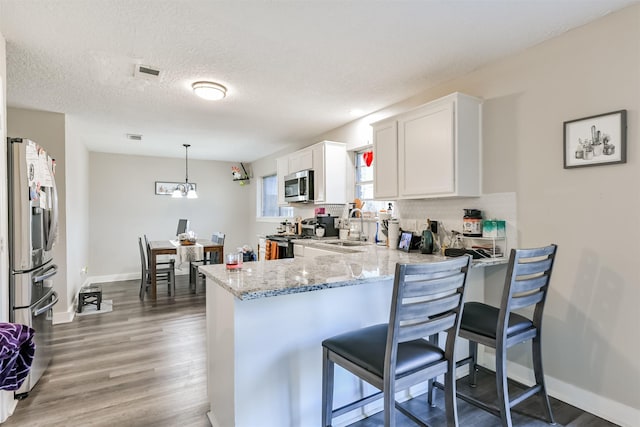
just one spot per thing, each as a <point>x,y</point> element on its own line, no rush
<point>394,233</point>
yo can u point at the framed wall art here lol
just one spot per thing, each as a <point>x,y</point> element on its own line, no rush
<point>596,140</point>
<point>167,188</point>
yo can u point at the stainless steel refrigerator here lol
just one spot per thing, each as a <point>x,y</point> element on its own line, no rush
<point>33,228</point>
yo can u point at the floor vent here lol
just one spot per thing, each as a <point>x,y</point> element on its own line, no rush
<point>134,137</point>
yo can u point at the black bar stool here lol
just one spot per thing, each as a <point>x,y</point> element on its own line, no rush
<point>427,299</point>
<point>526,285</point>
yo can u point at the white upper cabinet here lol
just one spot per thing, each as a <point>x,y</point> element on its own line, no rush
<point>426,151</point>
<point>330,172</point>
<point>385,160</point>
<point>328,160</point>
<point>282,170</point>
<point>300,160</point>
<point>438,150</point>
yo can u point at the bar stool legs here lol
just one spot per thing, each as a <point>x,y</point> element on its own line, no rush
<point>500,328</point>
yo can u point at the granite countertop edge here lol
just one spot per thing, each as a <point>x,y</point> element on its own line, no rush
<point>266,293</point>
<point>348,266</point>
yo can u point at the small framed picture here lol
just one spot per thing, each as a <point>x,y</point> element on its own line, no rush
<point>596,140</point>
<point>405,241</point>
<point>167,188</point>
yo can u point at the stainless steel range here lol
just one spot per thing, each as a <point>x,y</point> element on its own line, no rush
<point>285,243</point>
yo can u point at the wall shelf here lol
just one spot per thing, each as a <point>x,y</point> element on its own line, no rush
<point>240,177</point>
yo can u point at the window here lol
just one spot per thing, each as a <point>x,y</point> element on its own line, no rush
<point>364,184</point>
<point>269,205</point>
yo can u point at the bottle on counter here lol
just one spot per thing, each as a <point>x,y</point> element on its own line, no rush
<point>472,223</point>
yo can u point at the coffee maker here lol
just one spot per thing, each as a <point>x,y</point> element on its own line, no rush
<point>329,224</point>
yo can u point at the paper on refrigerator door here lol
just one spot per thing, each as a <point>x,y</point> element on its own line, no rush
<point>38,171</point>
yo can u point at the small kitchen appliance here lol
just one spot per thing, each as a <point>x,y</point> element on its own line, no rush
<point>329,224</point>
<point>309,227</point>
<point>298,187</point>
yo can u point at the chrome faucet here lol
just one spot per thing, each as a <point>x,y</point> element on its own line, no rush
<point>362,237</point>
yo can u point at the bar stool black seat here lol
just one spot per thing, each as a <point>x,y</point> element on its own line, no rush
<point>427,299</point>
<point>526,285</point>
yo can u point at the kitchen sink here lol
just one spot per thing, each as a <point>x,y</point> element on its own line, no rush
<point>345,243</point>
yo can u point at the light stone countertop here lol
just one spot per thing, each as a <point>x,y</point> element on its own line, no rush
<point>348,266</point>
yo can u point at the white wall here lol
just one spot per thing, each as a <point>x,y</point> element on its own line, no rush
<point>123,205</point>
<point>4,220</point>
<point>591,321</point>
<point>7,404</point>
<point>77,211</point>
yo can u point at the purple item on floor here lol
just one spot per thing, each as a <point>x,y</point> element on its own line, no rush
<point>16,354</point>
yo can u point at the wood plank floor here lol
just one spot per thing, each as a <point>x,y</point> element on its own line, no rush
<point>144,365</point>
<point>529,413</point>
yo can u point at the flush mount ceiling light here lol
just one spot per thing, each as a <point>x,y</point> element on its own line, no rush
<point>209,90</point>
<point>185,190</point>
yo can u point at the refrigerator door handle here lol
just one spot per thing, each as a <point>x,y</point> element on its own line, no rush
<point>53,228</point>
<point>38,311</point>
<point>51,271</point>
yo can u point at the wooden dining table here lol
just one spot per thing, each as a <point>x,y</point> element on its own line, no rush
<point>166,247</point>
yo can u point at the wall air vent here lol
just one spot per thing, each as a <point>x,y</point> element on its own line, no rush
<point>145,71</point>
<point>134,137</point>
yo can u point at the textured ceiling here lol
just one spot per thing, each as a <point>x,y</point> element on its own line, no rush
<point>294,69</point>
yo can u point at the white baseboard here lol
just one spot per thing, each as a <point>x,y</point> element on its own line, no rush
<point>126,276</point>
<point>113,278</point>
<point>65,316</point>
<point>7,405</point>
<point>601,406</point>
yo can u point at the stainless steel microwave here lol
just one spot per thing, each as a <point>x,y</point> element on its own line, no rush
<point>298,187</point>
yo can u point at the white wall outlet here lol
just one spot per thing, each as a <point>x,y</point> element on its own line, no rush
<point>409,224</point>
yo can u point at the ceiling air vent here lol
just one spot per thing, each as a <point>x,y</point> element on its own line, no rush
<point>134,137</point>
<point>145,71</point>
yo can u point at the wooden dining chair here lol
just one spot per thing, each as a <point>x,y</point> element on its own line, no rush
<point>164,272</point>
<point>164,262</point>
<point>427,299</point>
<point>500,328</point>
<point>212,258</point>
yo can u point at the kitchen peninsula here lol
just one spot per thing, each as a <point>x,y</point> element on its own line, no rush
<point>265,325</point>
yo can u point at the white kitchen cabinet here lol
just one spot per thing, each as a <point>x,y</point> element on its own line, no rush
<point>438,150</point>
<point>282,169</point>
<point>328,160</point>
<point>330,172</point>
<point>385,160</point>
<point>300,160</point>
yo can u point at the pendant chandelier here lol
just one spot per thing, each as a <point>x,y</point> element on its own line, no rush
<point>185,190</point>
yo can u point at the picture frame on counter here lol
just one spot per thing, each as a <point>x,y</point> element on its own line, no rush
<point>596,140</point>
<point>164,188</point>
<point>405,241</point>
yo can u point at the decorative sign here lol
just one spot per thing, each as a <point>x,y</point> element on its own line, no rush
<point>167,188</point>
